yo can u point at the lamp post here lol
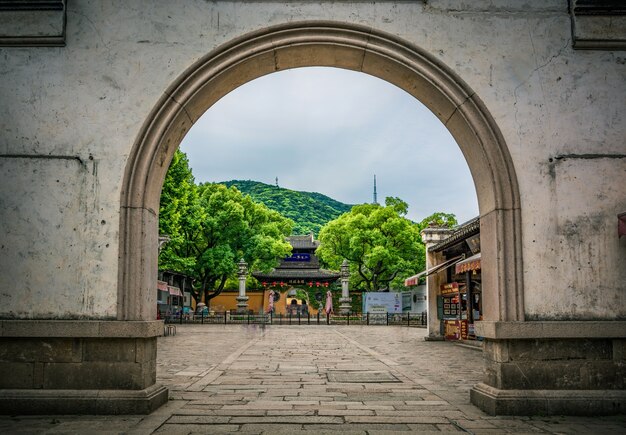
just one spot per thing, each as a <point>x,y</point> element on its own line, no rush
<point>242,299</point>
<point>345,301</point>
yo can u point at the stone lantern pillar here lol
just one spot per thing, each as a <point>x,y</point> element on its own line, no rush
<point>242,299</point>
<point>345,301</point>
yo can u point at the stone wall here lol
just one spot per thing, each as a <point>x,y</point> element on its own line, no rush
<point>78,93</point>
<point>69,116</point>
<point>78,367</point>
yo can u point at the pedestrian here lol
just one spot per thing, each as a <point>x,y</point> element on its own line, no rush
<point>329,303</point>
<point>270,305</point>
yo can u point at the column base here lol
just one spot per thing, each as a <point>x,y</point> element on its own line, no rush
<point>552,368</point>
<point>494,401</point>
<point>102,402</point>
<point>242,304</point>
<point>79,367</point>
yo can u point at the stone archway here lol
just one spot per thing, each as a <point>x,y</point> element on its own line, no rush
<point>334,45</point>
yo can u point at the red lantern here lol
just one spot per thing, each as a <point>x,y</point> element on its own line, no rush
<point>310,284</point>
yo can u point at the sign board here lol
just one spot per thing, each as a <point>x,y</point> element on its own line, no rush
<point>452,329</point>
<point>382,302</point>
<point>407,301</point>
<point>449,288</point>
<point>302,256</point>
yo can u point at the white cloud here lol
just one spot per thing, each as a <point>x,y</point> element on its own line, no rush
<point>329,130</point>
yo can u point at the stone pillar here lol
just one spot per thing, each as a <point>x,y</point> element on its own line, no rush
<point>346,300</point>
<point>431,236</point>
<point>79,367</point>
<point>552,367</point>
<point>242,299</point>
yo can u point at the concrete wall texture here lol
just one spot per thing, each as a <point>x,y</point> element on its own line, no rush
<point>88,87</point>
<point>70,115</point>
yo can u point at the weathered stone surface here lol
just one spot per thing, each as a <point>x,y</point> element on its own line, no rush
<point>146,349</point>
<point>98,375</point>
<point>113,350</point>
<point>107,402</point>
<point>17,375</point>
<point>40,350</point>
<point>80,328</point>
<point>87,141</point>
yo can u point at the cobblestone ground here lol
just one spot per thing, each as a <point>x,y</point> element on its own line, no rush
<point>313,379</point>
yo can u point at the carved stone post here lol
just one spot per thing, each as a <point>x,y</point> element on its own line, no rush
<point>345,302</point>
<point>242,299</point>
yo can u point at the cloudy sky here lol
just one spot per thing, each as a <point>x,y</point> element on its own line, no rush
<point>328,130</point>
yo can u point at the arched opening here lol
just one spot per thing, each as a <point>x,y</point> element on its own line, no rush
<point>336,45</point>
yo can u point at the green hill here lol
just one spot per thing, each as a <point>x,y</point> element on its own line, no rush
<point>309,210</point>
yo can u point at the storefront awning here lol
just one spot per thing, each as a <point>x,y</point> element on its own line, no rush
<point>162,285</point>
<point>469,264</point>
<point>415,278</point>
<point>174,291</point>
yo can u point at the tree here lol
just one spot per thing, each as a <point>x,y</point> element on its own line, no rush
<point>212,227</point>
<point>180,217</point>
<point>438,219</point>
<point>235,227</point>
<point>382,245</point>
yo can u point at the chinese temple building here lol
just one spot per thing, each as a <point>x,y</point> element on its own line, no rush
<point>301,269</point>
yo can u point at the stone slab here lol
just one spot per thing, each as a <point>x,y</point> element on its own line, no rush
<point>553,329</point>
<point>81,328</point>
<point>494,401</point>
<point>358,376</point>
<point>42,402</point>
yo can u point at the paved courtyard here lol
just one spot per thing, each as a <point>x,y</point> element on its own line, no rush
<point>313,379</point>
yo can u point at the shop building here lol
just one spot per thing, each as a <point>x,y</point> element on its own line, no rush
<point>453,281</point>
<point>174,293</point>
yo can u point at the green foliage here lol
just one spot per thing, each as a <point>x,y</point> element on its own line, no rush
<point>180,217</point>
<point>438,219</point>
<point>212,227</point>
<point>383,246</point>
<point>309,210</point>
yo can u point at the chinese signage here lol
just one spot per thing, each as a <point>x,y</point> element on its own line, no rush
<point>449,288</point>
<point>299,257</point>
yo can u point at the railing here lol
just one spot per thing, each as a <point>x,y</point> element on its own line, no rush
<point>353,318</point>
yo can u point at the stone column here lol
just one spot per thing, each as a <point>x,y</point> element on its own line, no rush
<point>431,236</point>
<point>346,301</point>
<point>242,299</point>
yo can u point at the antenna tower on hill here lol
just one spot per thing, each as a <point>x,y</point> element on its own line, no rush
<point>375,195</point>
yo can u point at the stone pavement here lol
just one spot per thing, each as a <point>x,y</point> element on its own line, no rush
<point>313,379</point>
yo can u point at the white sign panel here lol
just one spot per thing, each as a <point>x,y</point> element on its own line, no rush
<point>382,302</point>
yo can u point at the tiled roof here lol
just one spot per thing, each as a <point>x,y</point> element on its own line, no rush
<point>303,242</point>
<point>460,233</point>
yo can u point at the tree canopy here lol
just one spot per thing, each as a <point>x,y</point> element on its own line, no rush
<point>381,244</point>
<point>212,227</point>
<point>438,219</point>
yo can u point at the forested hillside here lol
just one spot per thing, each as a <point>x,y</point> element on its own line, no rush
<point>309,210</point>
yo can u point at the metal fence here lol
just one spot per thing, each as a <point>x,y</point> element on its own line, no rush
<point>353,318</point>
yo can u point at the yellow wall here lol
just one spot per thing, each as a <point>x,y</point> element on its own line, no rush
<point>227,301</point>
<point>258,302</point>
